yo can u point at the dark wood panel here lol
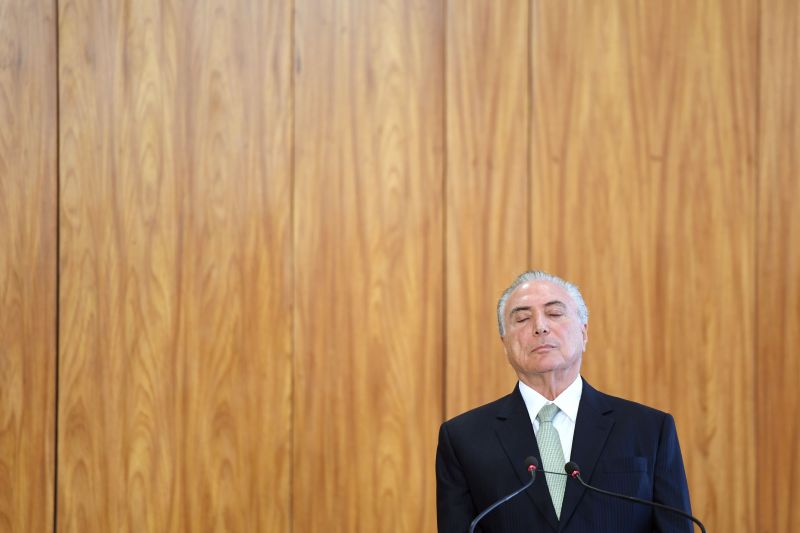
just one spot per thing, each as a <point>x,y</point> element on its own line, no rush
<point>28,259</point>
<point>643,193</point>
<point>487,73</point>
<point>778,278</point>
<point>176,282</point>
<point>369,267</point>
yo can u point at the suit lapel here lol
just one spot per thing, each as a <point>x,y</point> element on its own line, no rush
<point>515,432</point>
<point>592,428</point>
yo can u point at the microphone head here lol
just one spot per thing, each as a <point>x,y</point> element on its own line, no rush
<point>531,464</point>
<point>572,469</point>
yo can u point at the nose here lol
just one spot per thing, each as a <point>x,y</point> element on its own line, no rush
<point>540,326</point>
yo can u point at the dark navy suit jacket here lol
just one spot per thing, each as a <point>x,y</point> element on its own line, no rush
<point>620,446</point>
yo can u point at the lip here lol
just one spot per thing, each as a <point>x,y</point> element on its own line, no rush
<point>543,348</point>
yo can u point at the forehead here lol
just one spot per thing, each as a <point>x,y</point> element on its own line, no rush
<point>538,293</point>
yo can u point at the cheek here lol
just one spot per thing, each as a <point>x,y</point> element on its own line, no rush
<point>516,344</point>
<point>516,336</point>
<point>573,336</point>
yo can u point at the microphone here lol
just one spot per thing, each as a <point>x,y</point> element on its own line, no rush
<point>574,471</point>
<point>531,465</point>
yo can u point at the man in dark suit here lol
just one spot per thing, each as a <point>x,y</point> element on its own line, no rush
<point>555,415</point>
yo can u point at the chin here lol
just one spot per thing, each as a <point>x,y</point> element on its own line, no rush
<point>548,363</point>
<point>545,369</point>
<point>541,367</point>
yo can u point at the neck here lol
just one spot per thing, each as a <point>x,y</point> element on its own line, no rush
<point>550,384</point>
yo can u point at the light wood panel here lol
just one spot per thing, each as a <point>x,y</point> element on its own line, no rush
<point>778,276</point>
<point>28,250</point>
<point>643,193</point>
<point>369,267</point>
<point>175,266</point>
<point>487,72</point>
<point>637,181</point>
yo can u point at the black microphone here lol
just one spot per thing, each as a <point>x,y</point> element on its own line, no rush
<point>531,465</point>
<point>574,471</point>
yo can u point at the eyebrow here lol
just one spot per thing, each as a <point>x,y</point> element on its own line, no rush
<point>528,308</point>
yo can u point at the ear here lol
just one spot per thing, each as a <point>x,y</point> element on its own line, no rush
<point>585,331</point>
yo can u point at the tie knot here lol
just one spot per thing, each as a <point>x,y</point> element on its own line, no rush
<point>547,413</point>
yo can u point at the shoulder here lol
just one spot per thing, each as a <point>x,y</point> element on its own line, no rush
<point>629,416</point>
<point>622,405</point>
<point>480,418</point>
<point>471,438</point>
<point>487,411</point>
<point>609,403</point>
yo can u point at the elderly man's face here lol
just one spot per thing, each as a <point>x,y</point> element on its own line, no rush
<point>543,332</point>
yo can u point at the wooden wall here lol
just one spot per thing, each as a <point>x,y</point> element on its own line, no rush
<point>175,266</point>
<point>250,251</point>
<point>777,295</point>
<point>368,264</point>
<point>28,262</point>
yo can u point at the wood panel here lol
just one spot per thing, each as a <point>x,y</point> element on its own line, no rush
<point>28,251</point>
<point>487,73</point>
<point>175,266</point>
<point>643,193</point>
<point>369,266</point>
<point>778,277</point>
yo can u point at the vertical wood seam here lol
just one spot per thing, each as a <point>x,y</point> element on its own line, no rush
<point>445,149</point>
<point>57,295</point>
<point>293,268</point>
<point>756,238</point>
<point>529,137</point>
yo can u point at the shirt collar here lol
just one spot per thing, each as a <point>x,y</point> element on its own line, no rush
<point>567,401</point>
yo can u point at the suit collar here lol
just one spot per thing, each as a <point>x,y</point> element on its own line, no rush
<point>594,423</point>
<point>515,433</point>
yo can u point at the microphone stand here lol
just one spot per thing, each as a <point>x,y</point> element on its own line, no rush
<point>532,464</point>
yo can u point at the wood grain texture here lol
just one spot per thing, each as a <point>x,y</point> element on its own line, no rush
<point>28,251</point>
<point>778,278</point>
<point>175,266</point>
<point>643,193</point>
<point>440,148</point>
<point>369,266</point>
<point>487,73</point>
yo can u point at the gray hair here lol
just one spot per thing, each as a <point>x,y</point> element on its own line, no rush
<point>572,290</point>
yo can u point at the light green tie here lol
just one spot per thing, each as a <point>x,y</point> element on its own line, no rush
<point>552,454</point>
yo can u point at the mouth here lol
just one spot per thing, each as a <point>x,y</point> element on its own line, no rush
<point>543,348</point>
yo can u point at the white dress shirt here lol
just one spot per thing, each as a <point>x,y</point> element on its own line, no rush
<point>564,421</point>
